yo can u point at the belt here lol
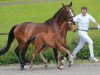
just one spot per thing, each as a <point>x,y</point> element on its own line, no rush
<point>83,30</point>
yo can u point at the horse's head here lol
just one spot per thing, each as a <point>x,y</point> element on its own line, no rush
<point>68,13</point>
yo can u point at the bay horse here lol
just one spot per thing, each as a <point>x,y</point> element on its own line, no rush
<point>53,40</point>
<point>22,32</point>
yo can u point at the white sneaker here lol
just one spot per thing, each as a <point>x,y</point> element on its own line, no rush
<point>72,59</point>
<point>93,59</point>
<point>74,56</point>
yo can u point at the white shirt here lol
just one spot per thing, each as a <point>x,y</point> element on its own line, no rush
<point>83,21</point>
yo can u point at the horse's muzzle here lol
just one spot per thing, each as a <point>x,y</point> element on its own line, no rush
<point>73,22</point>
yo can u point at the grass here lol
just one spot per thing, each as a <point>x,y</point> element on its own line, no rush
<point>30,0</point>
<point>39,12</point>
<point>14,0</point>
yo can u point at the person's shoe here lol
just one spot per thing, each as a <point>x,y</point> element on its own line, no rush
<point>93,59</point>
<point>73,59</point>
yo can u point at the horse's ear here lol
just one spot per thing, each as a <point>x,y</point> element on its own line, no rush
<point>63,5</point>
<point>70,4</point>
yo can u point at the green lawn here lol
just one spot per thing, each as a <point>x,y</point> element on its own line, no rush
<point>39,12</point>
<point>14,0</point>
<point>11,15</point>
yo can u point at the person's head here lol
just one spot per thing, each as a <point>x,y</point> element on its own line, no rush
<point>84,10</point>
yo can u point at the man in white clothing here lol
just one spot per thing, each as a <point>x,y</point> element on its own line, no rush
<point>83,21</point>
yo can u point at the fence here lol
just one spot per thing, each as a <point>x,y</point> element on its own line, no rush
<point>3,33</point>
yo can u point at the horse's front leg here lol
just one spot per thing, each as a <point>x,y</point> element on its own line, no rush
<point>57,55</point>
<point>60,63</point>
<point>63,59</point>
<point>61,48</point>
<point>38,47</point>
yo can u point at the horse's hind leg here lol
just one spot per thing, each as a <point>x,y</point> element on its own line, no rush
<point>17,51</point>
<point>26,48</point>
<point>21,48</point>
<point>42,57</point>
<point>24,52</point>
<point>22,62</point>
<point>23,56</point>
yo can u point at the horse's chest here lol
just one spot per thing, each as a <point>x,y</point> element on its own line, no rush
<point>59,39</point>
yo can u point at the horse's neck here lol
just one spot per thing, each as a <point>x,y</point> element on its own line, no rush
<point>55,25</point>
<point>63,29</point>
<point>51,23</point>
<point>60,18</point>
<point>62,24</point>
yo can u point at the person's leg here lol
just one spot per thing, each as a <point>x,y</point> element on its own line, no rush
<point>79,47</point>
<point>90,45</point>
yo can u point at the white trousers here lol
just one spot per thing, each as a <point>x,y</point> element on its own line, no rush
<point>84,38</point>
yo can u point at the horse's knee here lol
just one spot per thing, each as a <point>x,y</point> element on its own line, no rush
<point>33,55</point>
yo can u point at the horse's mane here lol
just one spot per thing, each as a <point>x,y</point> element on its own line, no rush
<point>50,21</point>
<point>57,13</point>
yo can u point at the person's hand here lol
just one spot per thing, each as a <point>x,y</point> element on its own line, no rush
<point>98,27</point>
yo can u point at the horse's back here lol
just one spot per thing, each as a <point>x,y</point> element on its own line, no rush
<point>28,29</point>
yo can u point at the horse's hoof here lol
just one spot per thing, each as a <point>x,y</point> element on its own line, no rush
<point>46,65</point>
<point>61,67</point>
<point>26,67</point>
<point>69,65</point>
<point>22,68</point>
<point>30,68</point>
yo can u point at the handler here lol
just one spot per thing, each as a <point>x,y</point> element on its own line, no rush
<point>83,20</point>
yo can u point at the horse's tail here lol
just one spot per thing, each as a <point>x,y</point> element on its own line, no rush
<point>9,42</point>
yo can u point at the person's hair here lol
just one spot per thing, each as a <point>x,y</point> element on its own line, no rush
<point>84,8</point>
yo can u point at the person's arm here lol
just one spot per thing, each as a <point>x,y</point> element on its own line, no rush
<point>94,21</point>
<point>97,25</point>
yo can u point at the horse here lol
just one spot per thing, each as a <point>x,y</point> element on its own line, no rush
<point>51,39</point>
<point>22,32</point>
